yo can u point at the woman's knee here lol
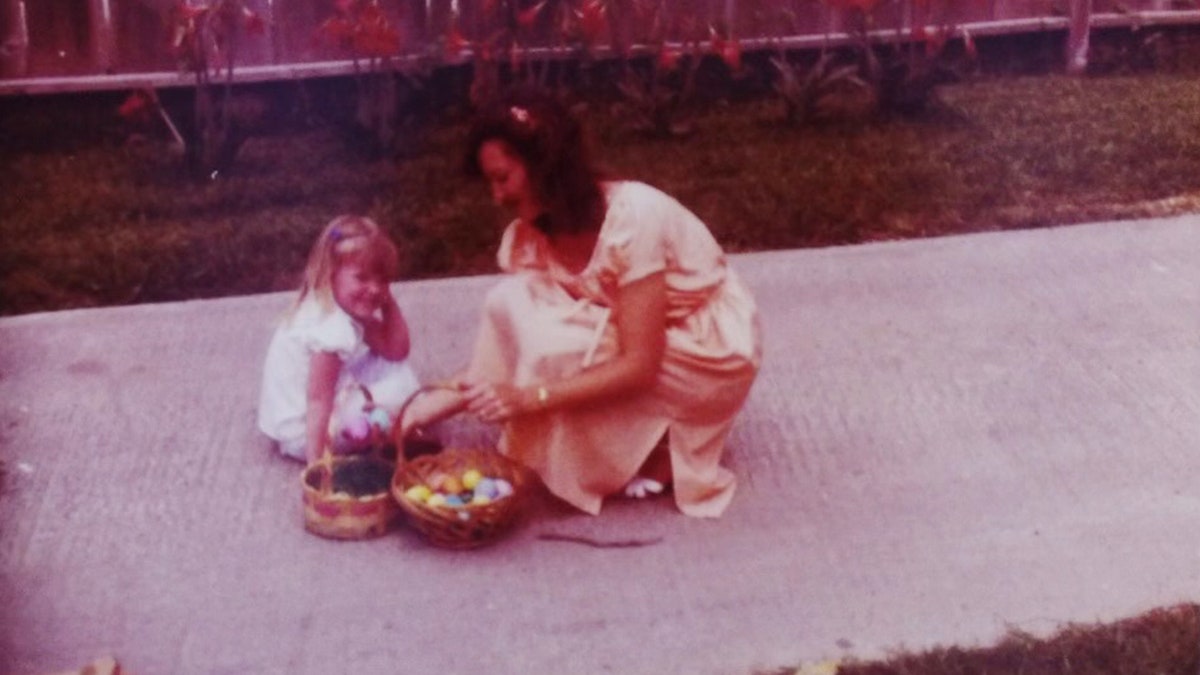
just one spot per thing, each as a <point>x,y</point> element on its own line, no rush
<point>506,295</point>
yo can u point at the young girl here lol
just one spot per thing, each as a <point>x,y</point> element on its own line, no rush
<point>342,346</point>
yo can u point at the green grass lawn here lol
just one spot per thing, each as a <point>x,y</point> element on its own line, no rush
<point>95,219</point>
<point>1163,641</point>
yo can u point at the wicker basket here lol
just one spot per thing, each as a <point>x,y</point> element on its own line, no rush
<point>471,525</point>
<point>339,515</point>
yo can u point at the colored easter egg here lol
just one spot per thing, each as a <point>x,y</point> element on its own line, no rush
<point>436,499</point>
<point>452,485</point>
<point>454,500</point>
<point>503,488</point>
<point>437,481</point>
<point>418,493</point>
<point>487,488</point>
<point>480,499</point>
<point>381,419</point>
<point>471,478</point>
<point>356,428</point>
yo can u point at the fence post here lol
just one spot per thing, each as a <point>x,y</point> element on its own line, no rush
<point>101,28</point>
<point>1078,35</point>
<point>14,47</point>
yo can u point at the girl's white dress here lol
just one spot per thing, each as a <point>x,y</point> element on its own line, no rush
<point>314,328</point>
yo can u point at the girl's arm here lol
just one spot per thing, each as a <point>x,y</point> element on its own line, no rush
<point>324,368</point>
<point>388,337</point>
<point>640,315</point>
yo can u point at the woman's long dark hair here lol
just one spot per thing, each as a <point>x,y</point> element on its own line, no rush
<point>550,142</point>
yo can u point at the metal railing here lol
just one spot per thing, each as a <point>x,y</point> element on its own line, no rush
<point>49,46</point>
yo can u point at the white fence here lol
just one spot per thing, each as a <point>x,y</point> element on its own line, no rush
<point>64,45</point>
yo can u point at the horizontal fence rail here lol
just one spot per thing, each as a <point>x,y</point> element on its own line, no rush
<point>54,46</point>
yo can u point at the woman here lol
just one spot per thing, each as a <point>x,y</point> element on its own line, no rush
<point>621,345</point>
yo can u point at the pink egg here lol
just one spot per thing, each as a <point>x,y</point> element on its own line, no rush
<point>356,428</point>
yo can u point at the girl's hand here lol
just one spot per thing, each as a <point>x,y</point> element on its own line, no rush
<point>496,403</point>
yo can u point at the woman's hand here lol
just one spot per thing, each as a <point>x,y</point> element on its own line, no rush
<point>496,403</point>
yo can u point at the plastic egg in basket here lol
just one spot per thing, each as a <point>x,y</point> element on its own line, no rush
<point>461,498</point>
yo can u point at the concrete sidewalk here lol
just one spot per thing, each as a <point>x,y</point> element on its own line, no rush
<point>950,438</point>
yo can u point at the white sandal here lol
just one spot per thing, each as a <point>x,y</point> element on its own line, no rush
<point>641,487</point>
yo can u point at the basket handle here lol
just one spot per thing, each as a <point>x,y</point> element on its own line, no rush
<point>446,385</point>
<point>324,461</point>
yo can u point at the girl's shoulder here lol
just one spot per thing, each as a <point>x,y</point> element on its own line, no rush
<point>315,318</point>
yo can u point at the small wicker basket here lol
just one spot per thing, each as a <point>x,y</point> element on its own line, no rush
<point>341,515</point>
<point>471,525</point>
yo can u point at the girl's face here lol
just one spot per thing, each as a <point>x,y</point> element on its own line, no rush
<point>358,290</point>
<point>508,179</point>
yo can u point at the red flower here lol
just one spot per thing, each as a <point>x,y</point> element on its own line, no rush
<point>336,29</point>
<point>668,57</point>
<point>255,24</point>
<point>731,54</point>
<point>137,107</point>
<point>527,17</point>
<point>455,42</point>
<point>189,13</point>
<point>592,21</point>
<point>729,51</point>
<point>969,44</point>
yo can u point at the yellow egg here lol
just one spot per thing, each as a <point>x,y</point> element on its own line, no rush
<point>436,499</point>
<point>471,478</point>
<point>481,499</point>
<point>418,493</point>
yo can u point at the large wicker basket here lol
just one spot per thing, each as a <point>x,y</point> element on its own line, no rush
<point>340,515</point>
<point>471,525</point>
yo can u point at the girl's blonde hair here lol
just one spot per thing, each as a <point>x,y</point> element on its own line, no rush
<point>347,238</point>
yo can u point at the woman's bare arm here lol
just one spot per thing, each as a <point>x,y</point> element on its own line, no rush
<point>640,316</point>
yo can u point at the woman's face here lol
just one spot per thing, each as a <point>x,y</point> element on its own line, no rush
<point>508,180</point>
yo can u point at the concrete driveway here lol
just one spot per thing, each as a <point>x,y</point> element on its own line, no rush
<point>950,438</point>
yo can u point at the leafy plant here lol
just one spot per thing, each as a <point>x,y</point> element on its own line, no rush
<point>807,89</point>
<point>363,30</point>
<point>206,38</point>
<point>504,52</point>
<point>659,98</point>
<point>904,73</point>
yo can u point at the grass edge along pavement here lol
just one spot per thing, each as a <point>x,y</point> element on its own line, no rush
<point>1005,153</point>
<point>1160,641</point>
